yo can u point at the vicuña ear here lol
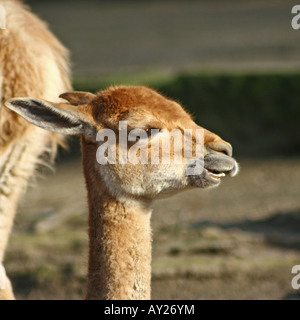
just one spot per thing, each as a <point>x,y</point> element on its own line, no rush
<point>57,117</point>
<point>78,97</point>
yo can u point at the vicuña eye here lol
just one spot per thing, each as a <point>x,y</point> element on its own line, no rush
<point>152,131</point>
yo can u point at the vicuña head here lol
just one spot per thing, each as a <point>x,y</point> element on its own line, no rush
<point>120,195</point>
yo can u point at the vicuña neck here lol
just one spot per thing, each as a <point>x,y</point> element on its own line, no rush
<point>119,246</point>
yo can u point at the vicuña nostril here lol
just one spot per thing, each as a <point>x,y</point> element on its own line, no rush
<point>223,147</point>
<point>227,149</point>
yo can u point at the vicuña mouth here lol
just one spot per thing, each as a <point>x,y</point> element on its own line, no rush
<point>216,173</point>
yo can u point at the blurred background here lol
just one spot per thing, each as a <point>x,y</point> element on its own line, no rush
<point>235,65</point>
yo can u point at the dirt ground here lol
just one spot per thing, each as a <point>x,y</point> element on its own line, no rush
<point>238,241</point>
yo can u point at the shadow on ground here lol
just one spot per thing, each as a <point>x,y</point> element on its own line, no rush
<point>280,229</point>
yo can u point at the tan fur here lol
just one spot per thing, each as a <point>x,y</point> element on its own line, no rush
<point>120,204</point>
<point>120,245</point>
<point>32,63</point>
<point>120,196</point>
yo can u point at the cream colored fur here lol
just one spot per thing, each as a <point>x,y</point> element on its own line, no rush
<point>32,63</point>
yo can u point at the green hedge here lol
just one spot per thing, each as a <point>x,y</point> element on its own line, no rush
<point>259,114</point>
